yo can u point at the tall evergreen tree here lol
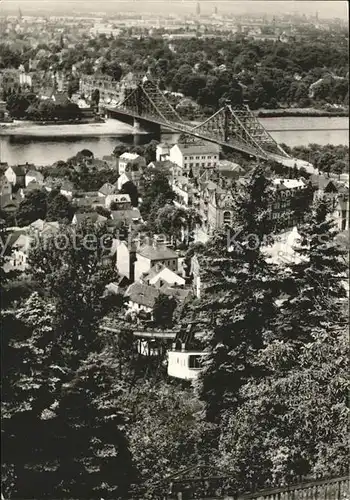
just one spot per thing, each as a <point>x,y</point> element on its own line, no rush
<point>237,300</point>
<point>314,284</point>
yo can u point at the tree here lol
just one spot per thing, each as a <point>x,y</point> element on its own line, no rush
<point>91,445</point>
<point>17,105</point>
<point>33,207</point>
<point>339,167</point>
<point>74,267</point>
<point>29,386</point>
<point>157,192</point>
<point>130,189</point>
<point>95,97</point>
<point>76,440</point>
<point>59,209</point>
<point>170,220</point>
<point>163,311</point>
<point>237,300</point>
<point>314,285</point>
<point>292,422</point>
<point>163,441</point>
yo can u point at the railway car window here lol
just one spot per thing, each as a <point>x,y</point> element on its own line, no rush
<point>194,362</point>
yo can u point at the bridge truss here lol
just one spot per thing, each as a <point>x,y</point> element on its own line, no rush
<point>236,127</point>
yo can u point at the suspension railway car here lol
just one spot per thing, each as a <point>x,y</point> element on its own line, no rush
<point>184,364</point>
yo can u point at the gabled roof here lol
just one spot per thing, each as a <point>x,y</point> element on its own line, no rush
<point>157,252</point>
<point>34,173</point>
<point>123,178</point>
<point>4,180</point>
<point>288,183</point>
<point>107,189</point>
<point>89,217</point>
<point>180,294</point>
<point>32,186</point>
<point>21,241</point>
<point>121,198</point>
<point>130,156</point>
<point>163,273</point>
<point>126,216</point>
<point>144,295</point>
<point>19,170</point>
<point>193,149</point>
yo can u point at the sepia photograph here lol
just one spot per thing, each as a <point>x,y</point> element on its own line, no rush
<point>174,237</point>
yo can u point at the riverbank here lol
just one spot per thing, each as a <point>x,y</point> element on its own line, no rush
<point>300,112</point>
<point>109,127</point>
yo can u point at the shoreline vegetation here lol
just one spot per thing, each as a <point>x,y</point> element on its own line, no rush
<point>300,112</point>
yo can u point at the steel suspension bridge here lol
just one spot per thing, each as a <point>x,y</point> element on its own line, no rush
<point>235,128</point>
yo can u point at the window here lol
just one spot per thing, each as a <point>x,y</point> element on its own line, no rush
<point>227,217</point>
<point>203,164</point>
<point>203,157</point>
<point>194,361</point>
<point>191,165</point>
<point>197,164</point>
<point>191,157</point>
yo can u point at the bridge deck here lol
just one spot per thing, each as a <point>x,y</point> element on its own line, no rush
<point>181,127</point>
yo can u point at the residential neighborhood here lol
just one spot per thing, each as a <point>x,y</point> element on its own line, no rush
<point>174,229</point>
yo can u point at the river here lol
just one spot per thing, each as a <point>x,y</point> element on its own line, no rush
<point>43,145</point>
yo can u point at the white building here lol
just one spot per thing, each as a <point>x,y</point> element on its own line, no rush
<point>148,256</point>
<point>194,156</point>
<point>160,275</point>
<point>130,158</point>
<point>162,151</point>
<point>34,175</point>
<point>5,186</point>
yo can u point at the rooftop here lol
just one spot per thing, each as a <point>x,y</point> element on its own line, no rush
<point>159,252</point>
<point>142,294</point>
<point>127,216</point>
<point>107,189</point>
<point>129,156</point>
<point>289,183</point>
<point>205,148</point>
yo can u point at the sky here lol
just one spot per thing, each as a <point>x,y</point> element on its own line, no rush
<point>325,9</point>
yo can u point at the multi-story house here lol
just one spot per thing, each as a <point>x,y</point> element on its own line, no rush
<point>162,151</point>
<point>194,158</point>
<point>5,186</point>
<point>186,194</point>
<point>131,162</point>
<point>16,175</point>
<point>148,256</point>
<point>337,192</point>
<point>285,190</point>
<point>118,202</point>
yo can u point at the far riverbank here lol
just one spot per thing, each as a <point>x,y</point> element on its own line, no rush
<point>301,112</point>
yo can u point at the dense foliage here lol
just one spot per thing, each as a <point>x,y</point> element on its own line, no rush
<point>268,74</point>
<point>103,421</point>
